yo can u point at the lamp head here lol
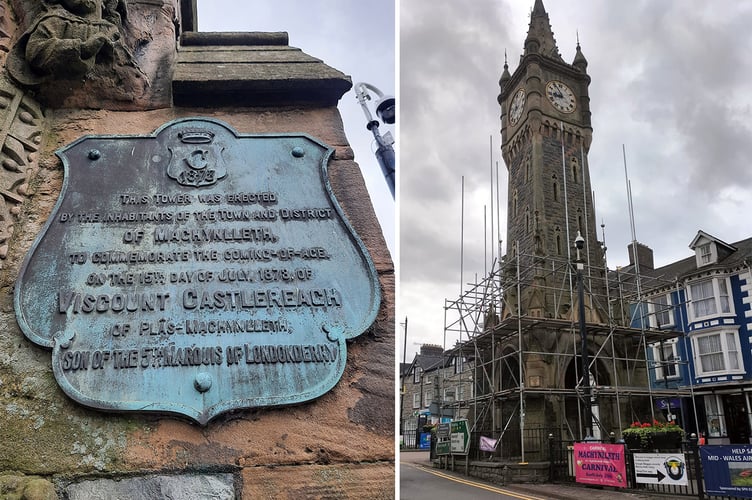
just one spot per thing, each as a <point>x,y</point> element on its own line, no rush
<point>579,241</point>
<point>386,109</point>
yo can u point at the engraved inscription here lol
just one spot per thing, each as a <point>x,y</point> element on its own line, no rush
<point>203,250</point>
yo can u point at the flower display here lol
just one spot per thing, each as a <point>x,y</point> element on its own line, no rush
<point>655,435</point>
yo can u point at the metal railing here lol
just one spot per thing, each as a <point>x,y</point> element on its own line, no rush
<point>562,470</point>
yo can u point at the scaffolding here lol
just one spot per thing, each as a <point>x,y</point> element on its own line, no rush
<point>521,355</point>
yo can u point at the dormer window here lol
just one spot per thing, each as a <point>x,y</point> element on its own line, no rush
<point>706,254</point>
<point>709,249</point>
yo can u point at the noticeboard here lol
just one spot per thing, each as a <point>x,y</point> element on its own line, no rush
<point>196,271</point>
<point>660,468</point>
<point>600,464</point>
<point>727,470</point>
<point>459,436</point>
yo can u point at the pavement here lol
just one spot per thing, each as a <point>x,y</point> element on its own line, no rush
<point>555,491</point>
<point>566,492</point>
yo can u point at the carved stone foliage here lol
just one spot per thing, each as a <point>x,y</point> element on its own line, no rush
<point>21,124</point>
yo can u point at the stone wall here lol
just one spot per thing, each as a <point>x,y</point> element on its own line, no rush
<point>498,472</point>
<point>339,445</point>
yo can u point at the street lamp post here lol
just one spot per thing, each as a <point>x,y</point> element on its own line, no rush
<point>579,244</point>
<point>385,110</point>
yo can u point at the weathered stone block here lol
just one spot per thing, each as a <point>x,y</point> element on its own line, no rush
<point>179,487</point>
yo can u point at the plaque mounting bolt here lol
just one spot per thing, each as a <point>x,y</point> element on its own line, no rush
<point>94,154</point>
<point>298,152</point>
<point>203,382</point>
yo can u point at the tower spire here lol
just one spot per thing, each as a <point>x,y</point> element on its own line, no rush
<point>540,37</point>
<point>579,62</point>
<point>505,76</point>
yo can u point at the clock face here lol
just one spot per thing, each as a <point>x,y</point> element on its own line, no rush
<point>560,96</point>
<point>518,104</point>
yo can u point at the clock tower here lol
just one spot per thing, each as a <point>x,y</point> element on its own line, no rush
<point>546,133</point>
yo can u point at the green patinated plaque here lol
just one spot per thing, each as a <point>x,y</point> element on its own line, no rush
<point>196,271</point>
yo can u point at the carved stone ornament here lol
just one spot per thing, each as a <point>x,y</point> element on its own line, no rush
<point>81,53</point>
<point>20,136</point>
<point>196,271</point>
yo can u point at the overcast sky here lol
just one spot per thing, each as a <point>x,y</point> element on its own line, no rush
<point>346,35</point>
<point>671,81</point>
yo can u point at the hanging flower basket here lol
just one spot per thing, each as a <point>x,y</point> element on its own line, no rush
<point>655,436</point>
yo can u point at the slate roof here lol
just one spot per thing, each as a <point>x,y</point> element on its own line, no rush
<point>687,267</point>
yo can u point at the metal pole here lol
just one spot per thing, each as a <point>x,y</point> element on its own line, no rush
<point>588,424</point>
<point>384,155</point>
<point>385,152</point>
<point>402,380</point>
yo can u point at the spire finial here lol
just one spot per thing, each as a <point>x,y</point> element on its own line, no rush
<point>540,37</point>
<point>579,59</point>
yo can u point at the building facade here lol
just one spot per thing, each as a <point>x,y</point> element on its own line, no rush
<point>708,299</point>
<point>435,387</point>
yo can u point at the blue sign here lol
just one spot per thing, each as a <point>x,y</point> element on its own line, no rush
<point>196,271</point>
<point>666,404</point>
<point>425,441</point>
<point>727,470</point>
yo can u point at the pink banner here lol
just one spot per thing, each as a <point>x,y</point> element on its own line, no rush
<point>488,444</point>
<point>601,464</point>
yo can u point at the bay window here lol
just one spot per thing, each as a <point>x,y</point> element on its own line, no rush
<point>709,298</point>
<point>717,353</point>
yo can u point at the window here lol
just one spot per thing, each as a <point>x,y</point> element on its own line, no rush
<point>555,186</point>
<point>449,395</point>
<point>706,254</point>
<point>709,298</point>
<point>665,358</point>
<point>416,400</point>
<point>661,313</point>
<point>717,353</point>
<point>464,390</point>
<point>527,220</point>
<point>459,364</point>
<point>714,414</point>
<point>427,398</point>
<point>416,375</point>
<point>575,170</point>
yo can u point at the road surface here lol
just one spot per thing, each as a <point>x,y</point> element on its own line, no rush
<point>420,481</point>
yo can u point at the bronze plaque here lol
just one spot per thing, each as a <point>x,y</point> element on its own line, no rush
<point>196,271</point>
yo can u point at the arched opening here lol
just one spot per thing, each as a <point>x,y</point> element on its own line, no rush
<point>555,188</point>
<point>574,409</point>
<point>575,170</point>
